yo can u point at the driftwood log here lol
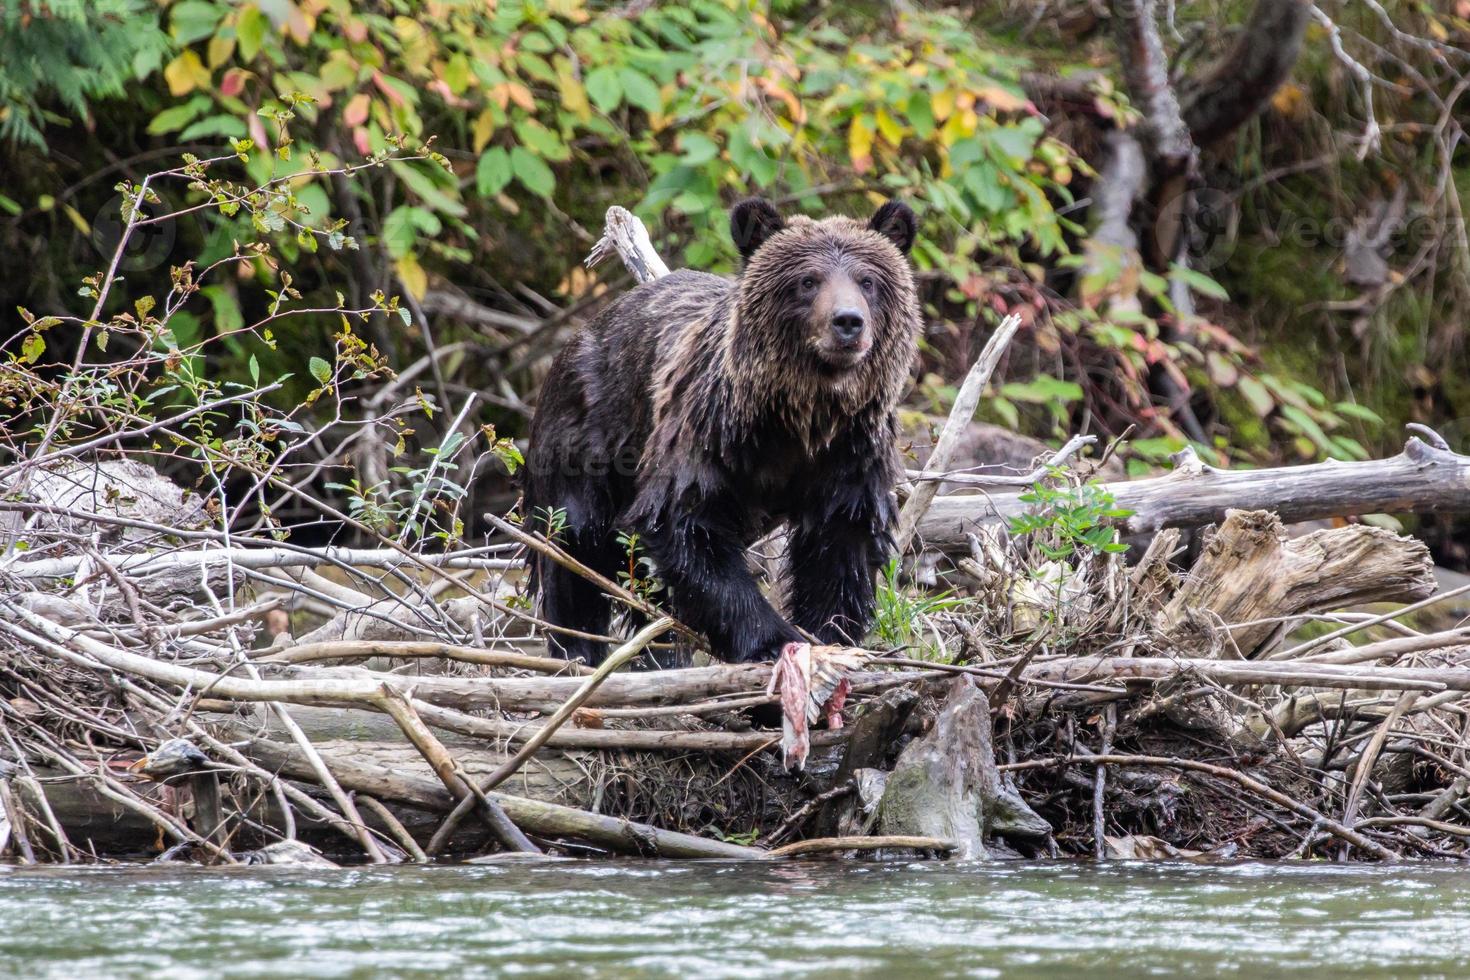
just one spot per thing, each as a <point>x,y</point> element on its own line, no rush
<point>1421,479</point>
<point>1252,579</point>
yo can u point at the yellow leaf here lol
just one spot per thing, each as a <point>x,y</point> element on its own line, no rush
<point>860,144</point>
<point>221,49</point>
<point>942,103</point>
<point>484,128</point>
<point>521,96</point>
<point>417,48</point>
<point>954,129</point>
<point>1000,99</point>
<point>889,127</point>
<point>413,276</point>
<point>573,92</point>
<point>80,223</point>
<point>1291,101</point>
<point>186,73</point>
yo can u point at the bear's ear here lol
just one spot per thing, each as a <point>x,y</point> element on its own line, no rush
<point>895,221</point>
<point>752,221</point>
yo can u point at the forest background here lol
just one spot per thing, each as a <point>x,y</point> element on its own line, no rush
<point>1228,224</point>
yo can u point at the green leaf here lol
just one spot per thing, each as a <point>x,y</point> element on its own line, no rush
<point>1308,427</point>
<point>1256,395</point>
<point>427,190</point>
<point>320,370</point>
<point>532,172</point>
<point>1200,283</point>
<point>604,88</point>
<point>541,141</point>
<point>493,172</point>
<point>226,126</point>
<point>1007,412</point>
<point>698,148</point>
<point>1356,411</point>
<point>399,232</point>
<point>250,31</point>
<point>32,348</point>
<point>171,120</point>
<point>1043,390</point>
<point>254,366</point>
<point>227,314</point>
<point>921,114</point>
<point>640,91</point>
<point>1014,143</point>
<point>194,20</point>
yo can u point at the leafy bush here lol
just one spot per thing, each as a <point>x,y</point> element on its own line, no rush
<point>70,52</point>
<point>547,112</point>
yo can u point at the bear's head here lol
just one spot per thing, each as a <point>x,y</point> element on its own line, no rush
<point>836,290</point>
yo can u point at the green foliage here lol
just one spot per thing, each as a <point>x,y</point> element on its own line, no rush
<point>671,86</point>
<point>900,614</point>
<point>545,112</point>
<point>153,392</point>
<point>550,521</point>
<point>66,54</point>
<point>1067,519</point>
<point>637,576</point>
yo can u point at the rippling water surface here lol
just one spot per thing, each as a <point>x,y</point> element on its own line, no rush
<point>719,920</point>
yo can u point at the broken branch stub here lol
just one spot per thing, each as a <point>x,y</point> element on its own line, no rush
<point>624,234</point>
<point>1252,579</point>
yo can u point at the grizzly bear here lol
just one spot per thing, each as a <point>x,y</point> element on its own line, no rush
<point>699,413</point>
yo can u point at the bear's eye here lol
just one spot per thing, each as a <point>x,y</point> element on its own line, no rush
<point>867,283</point>
<point>808,282</point>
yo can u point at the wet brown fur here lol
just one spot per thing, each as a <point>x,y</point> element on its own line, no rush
<point>699,412</point>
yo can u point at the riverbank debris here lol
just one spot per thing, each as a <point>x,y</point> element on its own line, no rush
<point>1200,683</point>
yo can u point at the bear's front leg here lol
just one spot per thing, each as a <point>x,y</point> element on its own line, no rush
<point>838,544</point>
<point>701,558</point>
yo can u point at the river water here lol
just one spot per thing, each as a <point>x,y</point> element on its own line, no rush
<point>711,919</point>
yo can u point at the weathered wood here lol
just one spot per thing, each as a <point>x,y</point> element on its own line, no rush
<point>1251,580</point>
<point>547,820</point>
<point>946,784</point>
<point>624,234</point>
<point>1238,673</point>
<point>960,416</point>
<point>477,792</point>
<point>193,563</point>
<point>1421,479</point>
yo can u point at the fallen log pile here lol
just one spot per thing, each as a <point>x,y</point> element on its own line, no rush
<point>175,683</point>
<point>1077,706</point>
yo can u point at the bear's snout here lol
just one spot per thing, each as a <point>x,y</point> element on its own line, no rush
<point>840,323</point>
<point>847,326</point>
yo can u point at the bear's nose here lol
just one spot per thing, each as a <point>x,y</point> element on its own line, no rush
<point>847,325</point>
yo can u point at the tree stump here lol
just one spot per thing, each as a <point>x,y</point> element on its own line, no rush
<point>946,784</point>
